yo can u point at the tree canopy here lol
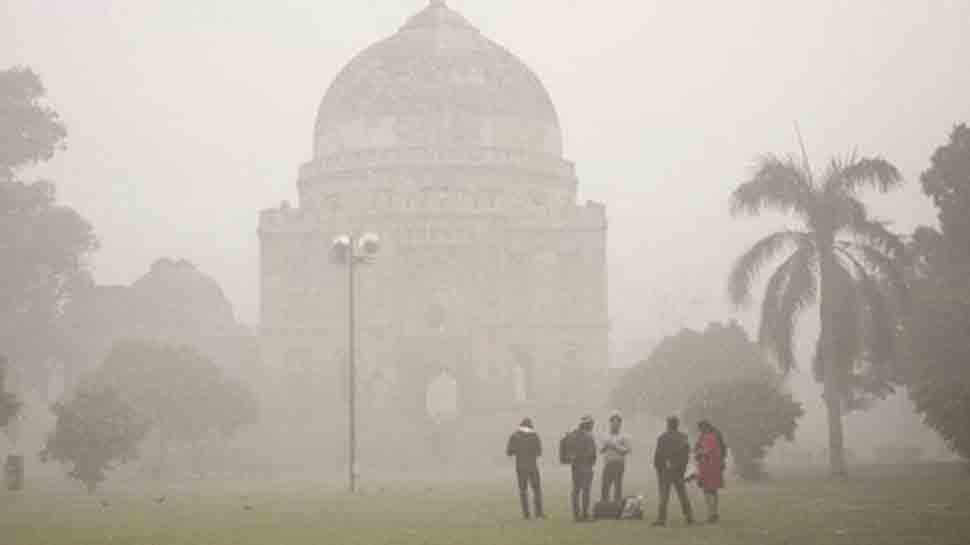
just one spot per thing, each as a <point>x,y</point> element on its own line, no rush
<point>937,328</point>
<point>177,389</point>
<point>44,245</point>
<point>717,374</point>
<point>753,413</point>
<point>9,404</point>
<point>30,130</point>
<point>685,363</point>
<point>94,430</point>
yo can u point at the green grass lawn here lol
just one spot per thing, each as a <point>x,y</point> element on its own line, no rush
<point>879,506</point>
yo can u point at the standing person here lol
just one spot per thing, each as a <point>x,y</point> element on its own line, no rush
<point>615,449</point>
<point>709,456</point>
<point>526,447</point>
<point>582,458</point>
<point>670,460</point>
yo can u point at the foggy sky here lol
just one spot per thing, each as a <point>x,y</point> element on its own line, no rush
<point>186,118</point>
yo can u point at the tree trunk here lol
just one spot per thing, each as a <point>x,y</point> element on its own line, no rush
<point>831,392</point>
<point>833,405</point>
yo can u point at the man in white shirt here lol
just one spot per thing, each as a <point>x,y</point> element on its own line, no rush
<point>616,447</point>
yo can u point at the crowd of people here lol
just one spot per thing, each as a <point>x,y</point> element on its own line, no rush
<point>580,449</point>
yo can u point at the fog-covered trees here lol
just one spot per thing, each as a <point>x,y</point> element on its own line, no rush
<point>43,244</point>
<point>938,327</point>
<point>30,130</point>
<point>9,404</point>
<point>717,374</point>
<point>174,302</point>
<point>94,430</point>
<point>685,363</point>
<point>180,392</point>
<point>753,413</point>
<point>840,259</point>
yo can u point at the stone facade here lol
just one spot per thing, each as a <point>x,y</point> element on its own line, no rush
<point>490,278</point>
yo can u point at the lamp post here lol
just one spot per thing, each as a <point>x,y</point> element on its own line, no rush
<point>352,250</point>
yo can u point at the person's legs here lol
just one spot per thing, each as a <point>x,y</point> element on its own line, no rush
<point>710,497</point>
<point>618,482</point>
<point>605,481</point>
<point>537,492</point>
<point>663,483</point>
<point>681,489</point>
<point>612,472</point>
<point>587,485</point>
<point>523,476</point>
<point>575,493</point>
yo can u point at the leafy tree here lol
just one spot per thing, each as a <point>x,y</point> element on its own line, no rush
<point>174,302</point>
<point>43,245</point>
<point>30,131</point>
<point>841,259</point>
<point>181,392</point>
<point>721,375</point>
<point>236,407</point>
<point>685,363</point>
<point>9,404</point>
<point>937,329</point>
<point>93,431</point>
<point>752,414</point>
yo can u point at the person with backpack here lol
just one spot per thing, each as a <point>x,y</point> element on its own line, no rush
<point>526,447</point>
<point>578,449</point>
<point>670,460</point>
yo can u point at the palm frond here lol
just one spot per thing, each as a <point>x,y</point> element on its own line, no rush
<point>873,172</point>
<point>878,335</point>
<point>776,183</point>
<point>747,267</point>
<point>839,210</point>
<point>774,291</point>
<point>801,290</point>
<point>885,266</point>
<point>876,234</point>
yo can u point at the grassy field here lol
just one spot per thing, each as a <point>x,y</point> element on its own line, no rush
<point>879,506</point>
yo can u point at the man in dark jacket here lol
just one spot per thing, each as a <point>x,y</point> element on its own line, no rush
<point>525,445</point>
<point>670,460</point>
<point>583,458</point>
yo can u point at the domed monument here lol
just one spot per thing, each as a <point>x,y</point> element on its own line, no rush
<point>487,300</point>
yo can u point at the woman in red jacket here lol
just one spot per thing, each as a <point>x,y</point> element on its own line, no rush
<point>710,467</point>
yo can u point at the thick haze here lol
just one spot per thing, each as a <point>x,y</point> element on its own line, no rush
<point>186,118</point>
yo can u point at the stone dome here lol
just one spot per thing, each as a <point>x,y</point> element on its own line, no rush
<point>436,84</point>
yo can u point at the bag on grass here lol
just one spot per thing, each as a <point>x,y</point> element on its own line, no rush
<point>608,509</point>
<point>632,508</point>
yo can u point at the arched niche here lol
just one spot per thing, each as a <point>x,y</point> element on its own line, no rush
<point>442,398</point>
<point>522,376</point>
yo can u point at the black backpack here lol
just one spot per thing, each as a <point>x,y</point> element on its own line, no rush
<point>567,448</point>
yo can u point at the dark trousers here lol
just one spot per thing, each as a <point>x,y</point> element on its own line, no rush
<point>582,482</point>
<point>529,476</point>
<point>612,478</point>
<point>672,478</point>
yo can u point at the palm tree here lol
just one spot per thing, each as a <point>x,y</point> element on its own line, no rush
<point>839,258</point>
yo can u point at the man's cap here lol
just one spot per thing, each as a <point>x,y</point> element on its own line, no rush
<point>586,419</point>
<point>527,423</point>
